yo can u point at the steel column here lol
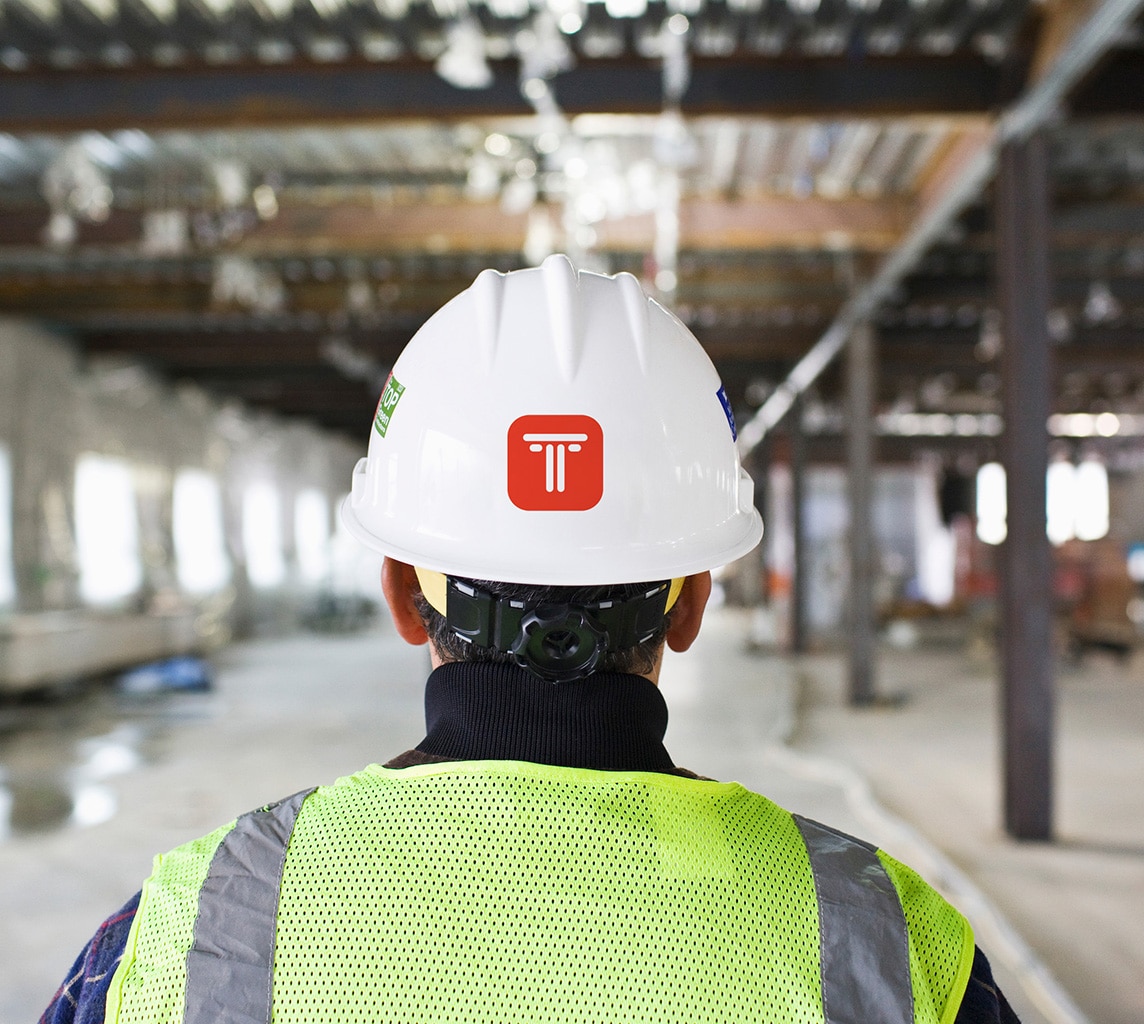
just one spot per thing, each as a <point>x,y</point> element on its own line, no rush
<point>798,642</point>
<point>754,589</point>
<point>1026,570</point>
<point>860,459</point>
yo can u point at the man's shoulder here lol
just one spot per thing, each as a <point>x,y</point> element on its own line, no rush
<point>82,997</point>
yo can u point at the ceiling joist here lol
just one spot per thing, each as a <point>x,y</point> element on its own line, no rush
<point>311,93</point>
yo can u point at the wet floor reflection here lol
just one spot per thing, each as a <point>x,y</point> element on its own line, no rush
<point>60,756</point>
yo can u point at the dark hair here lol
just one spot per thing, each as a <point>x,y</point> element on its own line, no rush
<point>638,659</point>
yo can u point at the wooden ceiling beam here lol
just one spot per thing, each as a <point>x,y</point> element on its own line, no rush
<point>762,222</point>
<point>745,225</point>
<point>291,349</point>
<point>1061,20</point>
<point>306,92</point>
<point>756,223</point>
<point>285,351</point>
<point>1106,348</point>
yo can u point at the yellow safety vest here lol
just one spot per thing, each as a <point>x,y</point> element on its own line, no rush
<point>501,892</point>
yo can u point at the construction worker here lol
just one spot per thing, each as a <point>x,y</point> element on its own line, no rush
<point>552,474</point>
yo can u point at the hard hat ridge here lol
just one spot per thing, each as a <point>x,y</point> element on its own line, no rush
<point>637,306</point>
<point>565,312</point>
<point>488,296</point>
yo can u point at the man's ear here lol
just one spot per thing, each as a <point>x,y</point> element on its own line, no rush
<point>399,585</point>
<point>687,613</point>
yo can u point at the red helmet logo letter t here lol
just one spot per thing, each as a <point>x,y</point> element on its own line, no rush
<point>555,463</point>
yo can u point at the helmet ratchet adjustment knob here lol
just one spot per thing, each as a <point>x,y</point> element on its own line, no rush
<point>558,643</point>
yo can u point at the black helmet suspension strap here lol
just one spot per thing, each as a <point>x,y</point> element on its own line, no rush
<point>558,642</point>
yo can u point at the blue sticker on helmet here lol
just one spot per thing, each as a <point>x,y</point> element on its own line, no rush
<point>721,394</point>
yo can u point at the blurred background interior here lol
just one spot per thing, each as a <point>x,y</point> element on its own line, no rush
<point>909,233</point>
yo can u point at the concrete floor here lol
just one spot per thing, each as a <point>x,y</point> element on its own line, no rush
<point>94,784</point>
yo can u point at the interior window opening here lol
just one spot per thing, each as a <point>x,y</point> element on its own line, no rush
<point>107,530</point>
<point>312,535</point>
<point>262,535</point>
<point>202,563</point>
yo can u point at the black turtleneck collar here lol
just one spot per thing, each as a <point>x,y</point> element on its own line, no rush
<point>610,721</point>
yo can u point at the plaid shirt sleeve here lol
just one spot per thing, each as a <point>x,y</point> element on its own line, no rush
<point>82,997</point>
<point>984,1002</point>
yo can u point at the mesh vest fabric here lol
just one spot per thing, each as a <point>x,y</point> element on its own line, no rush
<point>499,892</point>
<point>150,982</point>
<point>933,925</point>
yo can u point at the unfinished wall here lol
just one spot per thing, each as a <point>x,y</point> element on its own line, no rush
<point>39,392</point>
<point>52,410</point>
<point>826,524</point>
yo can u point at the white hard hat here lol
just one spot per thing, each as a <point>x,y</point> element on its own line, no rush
<point>549,426</point>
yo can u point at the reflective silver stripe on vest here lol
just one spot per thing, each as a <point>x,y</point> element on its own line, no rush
<point>865,945</point>
<point>230,966</point>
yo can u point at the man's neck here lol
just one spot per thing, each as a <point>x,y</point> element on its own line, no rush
<point>609,721</point>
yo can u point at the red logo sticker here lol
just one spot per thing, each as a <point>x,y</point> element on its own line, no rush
<point>555,463</point>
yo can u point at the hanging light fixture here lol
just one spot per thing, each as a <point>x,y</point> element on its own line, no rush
<point>463,64</point>
<point>241,281</point>
<point>1101,306</point>
<point>76,188</point>
<point>165,232</point>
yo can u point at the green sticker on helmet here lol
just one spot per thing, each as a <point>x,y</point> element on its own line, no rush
<point>390,396</point>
